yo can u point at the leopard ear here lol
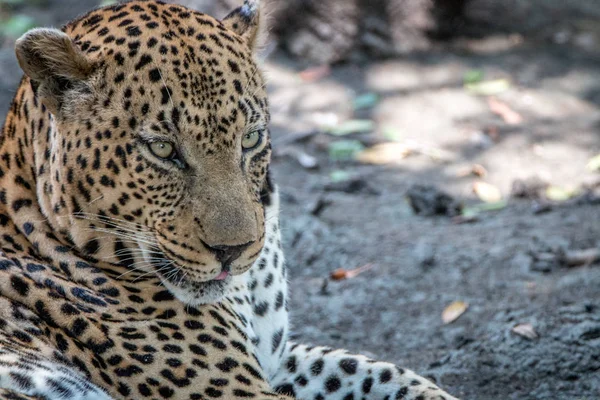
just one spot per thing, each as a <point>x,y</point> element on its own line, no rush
<point>53,63</point>
<point>247,21</point>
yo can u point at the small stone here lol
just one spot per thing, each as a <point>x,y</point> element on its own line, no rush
<point>522,261</point>
<point>530,188</point>
<point>428,200</point>
<point>541,266</point>
<point>424,253</point>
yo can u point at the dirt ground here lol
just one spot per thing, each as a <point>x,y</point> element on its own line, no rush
<point>507,264</point>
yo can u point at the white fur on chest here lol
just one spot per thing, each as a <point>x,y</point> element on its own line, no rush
<point>262,300</point>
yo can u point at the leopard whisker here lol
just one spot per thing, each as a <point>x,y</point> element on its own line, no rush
<point>123,228</point>
<point>129,237</point>
<point>107,219</point>
<point>142,267</point>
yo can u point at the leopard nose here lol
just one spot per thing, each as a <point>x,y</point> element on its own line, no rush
<point>226,254</point>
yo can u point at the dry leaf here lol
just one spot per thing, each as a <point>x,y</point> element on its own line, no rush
<point>487,192</point>
<point>475,169</point>
<point>539,150</point>
<point>465,219</point>
<point>306,160</point>
<point>575,258</point>
<point>384,153</point>
<point>453,311</point>
<point>493,133</point>
<point>479,170</point>
<point>341,273</point>
<point>525,330</point>
<point>315,73</point>
<point>510,116</point>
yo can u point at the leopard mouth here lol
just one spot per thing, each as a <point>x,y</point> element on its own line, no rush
<point>176,275</point>
<point>178,280</point>
<point>190,290</point>
<point>190,284</point>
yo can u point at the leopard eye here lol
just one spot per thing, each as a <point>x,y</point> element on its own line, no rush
<point>162,149</point>
<point>250,140</point>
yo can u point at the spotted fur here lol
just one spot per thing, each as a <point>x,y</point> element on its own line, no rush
<point>128,275</point>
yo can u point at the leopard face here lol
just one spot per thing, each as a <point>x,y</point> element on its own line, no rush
<point>159,149</point>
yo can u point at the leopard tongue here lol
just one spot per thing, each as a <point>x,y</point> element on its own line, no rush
<point>222,276</point>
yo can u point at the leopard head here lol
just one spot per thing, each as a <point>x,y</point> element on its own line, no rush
<point>157,150</point>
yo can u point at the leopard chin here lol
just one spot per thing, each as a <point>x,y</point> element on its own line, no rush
<point>187,286</point>
<point>198,293</point>
<point>193,291</point>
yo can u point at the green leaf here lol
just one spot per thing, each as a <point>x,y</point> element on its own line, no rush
<point>15,3</point>
<point>473,76</point>
<point>105,3</point>
<point>488,88</point>
<point>352,126</point>
<point>477,209</point>
<point>17,25</point>
<point>557,193</point>
<point>391,133</point>
<point>594,163</point>
<point>367,100</point>
<point>11,2</point>
<point>344,150</point>
<point>339,175</point>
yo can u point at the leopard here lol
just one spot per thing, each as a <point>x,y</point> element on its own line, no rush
<point>140,245</point>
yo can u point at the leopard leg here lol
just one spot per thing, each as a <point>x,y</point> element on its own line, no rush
<point>292,368</point>
<point>318,373</point>
<point>7,394</point>
<point>26,374</point>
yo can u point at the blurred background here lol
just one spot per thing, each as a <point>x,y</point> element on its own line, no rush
<point>439,167</point>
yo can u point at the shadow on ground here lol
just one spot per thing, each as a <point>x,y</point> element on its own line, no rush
<point>424,263</point>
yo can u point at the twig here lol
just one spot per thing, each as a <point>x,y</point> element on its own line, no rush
<point>575,258</point>
<point>341,273</point>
